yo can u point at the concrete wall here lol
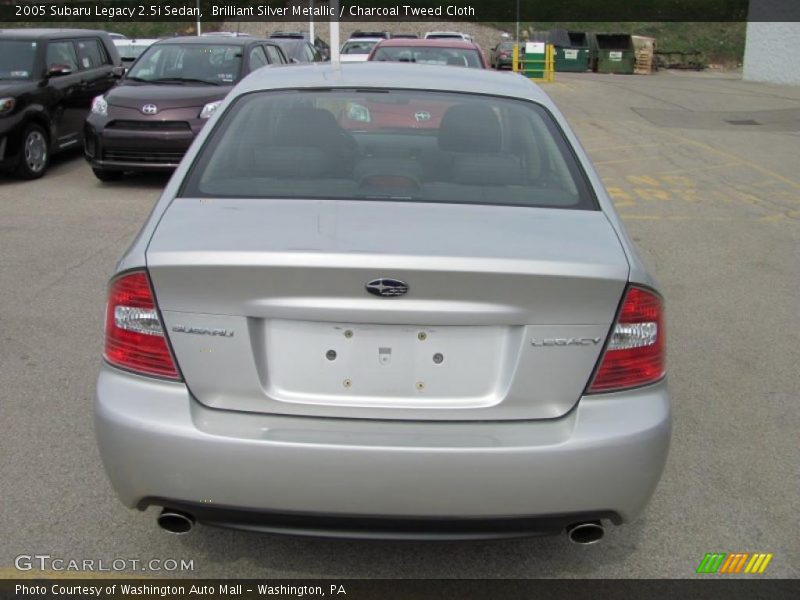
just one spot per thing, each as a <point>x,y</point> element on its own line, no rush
<point>772,51</point>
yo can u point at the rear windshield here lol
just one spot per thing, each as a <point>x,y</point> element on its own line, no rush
<point>191,63</point>
<point>389,145</point>
<point>458,57</point>
<point>17,59</point>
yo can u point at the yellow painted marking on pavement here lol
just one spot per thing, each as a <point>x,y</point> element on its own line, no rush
<point>627,160</point>
<point>633,146</point>
<point>673,218</point>
<point>752,165</point>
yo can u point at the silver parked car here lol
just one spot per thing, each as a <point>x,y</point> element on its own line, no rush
<point>385,300</point>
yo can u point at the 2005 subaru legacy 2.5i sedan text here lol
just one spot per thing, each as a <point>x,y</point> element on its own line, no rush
<point>432,327</point>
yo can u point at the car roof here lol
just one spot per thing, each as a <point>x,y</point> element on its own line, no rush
<point>136,41</point>
<point>389,75</point>
<point>448,43</point>
<point>222,40</point>
<point>40,34</point>
<point>366,39</point>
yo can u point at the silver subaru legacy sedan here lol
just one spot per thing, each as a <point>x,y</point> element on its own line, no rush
<point>385,300</point>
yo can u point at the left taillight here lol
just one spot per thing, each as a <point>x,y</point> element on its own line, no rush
<point>135,337</point>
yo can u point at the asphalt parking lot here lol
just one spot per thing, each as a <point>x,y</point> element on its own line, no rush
<point>704,170</point>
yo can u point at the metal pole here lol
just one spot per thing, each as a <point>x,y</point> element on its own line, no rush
<point>517,38</point>
<point>335,33</point>
<point>199,27</point>
<point>311,32</point>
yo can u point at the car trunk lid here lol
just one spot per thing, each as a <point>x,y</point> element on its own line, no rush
<point>266,308</point>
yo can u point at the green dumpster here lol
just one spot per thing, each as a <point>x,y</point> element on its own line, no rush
<point>537,60</point>
<point>615,53</point>
<point>572,50</point>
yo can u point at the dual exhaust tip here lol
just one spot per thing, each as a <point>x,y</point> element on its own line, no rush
<point>175,521</point>
<point>588,532</point>
<point>179,523</point>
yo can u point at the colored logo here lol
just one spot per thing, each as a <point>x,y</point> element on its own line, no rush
<point>734,563</point>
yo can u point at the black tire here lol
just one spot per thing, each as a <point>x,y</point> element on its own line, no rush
<point>34,153</point>
<point>105,175</point>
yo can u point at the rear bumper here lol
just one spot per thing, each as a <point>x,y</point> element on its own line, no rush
<point>159,446</point>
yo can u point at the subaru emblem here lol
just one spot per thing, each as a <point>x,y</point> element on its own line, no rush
<point>387,288</point>
<point>149,109</point>
<point>422,116</point>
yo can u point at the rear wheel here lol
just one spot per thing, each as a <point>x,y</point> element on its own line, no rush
<point>34,156</point>
<point>106,175</point>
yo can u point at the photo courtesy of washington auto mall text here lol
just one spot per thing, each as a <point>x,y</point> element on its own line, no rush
<point>399,299</point>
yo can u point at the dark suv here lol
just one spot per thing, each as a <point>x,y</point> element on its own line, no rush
<point>149,120</point>
<point>48,78</point>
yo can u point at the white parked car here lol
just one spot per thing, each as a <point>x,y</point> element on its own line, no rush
<point>130,49</point>
<point>358,49</point>
<point>448,35</point>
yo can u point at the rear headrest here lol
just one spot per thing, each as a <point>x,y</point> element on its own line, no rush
<point>487,170</point>
<point>309,127</point>
<point>470,128</point>
<point>296,162</point>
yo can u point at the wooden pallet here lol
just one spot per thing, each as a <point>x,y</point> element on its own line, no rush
<point>644,62</point>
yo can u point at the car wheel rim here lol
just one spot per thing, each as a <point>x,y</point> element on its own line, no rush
<point>35,151</point>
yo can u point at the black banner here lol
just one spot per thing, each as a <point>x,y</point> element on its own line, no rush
<point>399,10</point>
<point>713,587</point>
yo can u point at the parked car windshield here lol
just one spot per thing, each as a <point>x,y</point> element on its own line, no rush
<point>17,58</point>
<point>392,145</point>
<point>458,57</point>
<point>358,47</point>
<point>217,64</point>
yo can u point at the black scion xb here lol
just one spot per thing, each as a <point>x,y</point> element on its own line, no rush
<point>48,78</point>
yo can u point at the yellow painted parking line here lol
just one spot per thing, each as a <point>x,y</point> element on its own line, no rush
<point>698,169</point>
<point>635,146</point>
<point>561,84</point>
<point>627,160</point>
<point>751,164</point>
<point>677,218</point>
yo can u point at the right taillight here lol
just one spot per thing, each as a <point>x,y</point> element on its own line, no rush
<point>636,353</point>
<point>134,334</point>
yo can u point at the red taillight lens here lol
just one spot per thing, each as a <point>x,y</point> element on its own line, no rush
<point>134,334</point>
<point>636,353</point>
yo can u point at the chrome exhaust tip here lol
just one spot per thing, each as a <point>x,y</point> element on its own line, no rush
<point>589,532</point>
<point>175,521</point>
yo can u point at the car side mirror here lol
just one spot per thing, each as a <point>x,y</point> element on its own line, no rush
<point>119,71</point>
<point>58,70</point>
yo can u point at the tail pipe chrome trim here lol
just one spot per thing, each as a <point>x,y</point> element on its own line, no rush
<point>175,521</point>
<point>588,532</point>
